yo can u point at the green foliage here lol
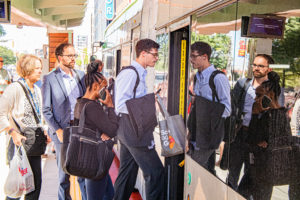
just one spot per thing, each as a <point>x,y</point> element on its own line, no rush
<point>287,50</point>
<point>220,44</point>
<point>163,52</point>
<point>8,55</point>
<point>2,31</point>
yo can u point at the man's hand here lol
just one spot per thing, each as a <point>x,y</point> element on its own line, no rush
<point>263,144</point>
<point>104,137</point>
<point>17,138</point>
<point>59,134</point>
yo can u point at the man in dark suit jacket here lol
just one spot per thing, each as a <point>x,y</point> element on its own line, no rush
<point>60,90</point>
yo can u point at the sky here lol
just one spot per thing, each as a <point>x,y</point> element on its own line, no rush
<point>24,40</point>
<point>27,39</point>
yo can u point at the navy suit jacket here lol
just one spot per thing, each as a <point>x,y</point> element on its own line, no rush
<point>56,104</point>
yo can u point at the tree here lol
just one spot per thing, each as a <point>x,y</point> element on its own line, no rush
<point>2,31</point>
<point>220,44</point>
<point>287,50</point>
<point>8,55</point>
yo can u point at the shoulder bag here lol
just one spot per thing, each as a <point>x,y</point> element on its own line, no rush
<point>36,141</point>
<point>83,152</point>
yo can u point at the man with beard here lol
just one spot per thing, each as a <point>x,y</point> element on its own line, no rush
<point>60,91</point>
<point>239,152</point>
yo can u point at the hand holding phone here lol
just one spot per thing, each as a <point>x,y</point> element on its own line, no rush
<point>266,101</point>
<point>102,93</point>
<point>105,98</point>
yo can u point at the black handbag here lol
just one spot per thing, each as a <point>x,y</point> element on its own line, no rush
<point>36,141</point>
<point>83,152</point>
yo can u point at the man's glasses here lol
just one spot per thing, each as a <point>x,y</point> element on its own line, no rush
<point>71,56</point>
<point>193,56</point>
<point>259,66</point>
<point>153,54</point>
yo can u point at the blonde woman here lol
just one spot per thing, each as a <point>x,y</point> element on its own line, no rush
<point>17,111</point>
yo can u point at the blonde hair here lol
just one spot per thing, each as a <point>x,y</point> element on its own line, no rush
<point>26,64</point>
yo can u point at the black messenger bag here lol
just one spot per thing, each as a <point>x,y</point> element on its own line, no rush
<point>205,122</point>
<point>142,111</point>
<point>83,152</point>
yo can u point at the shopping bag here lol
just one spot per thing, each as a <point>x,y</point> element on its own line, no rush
<point>20,179</point>
<point>172,132</point>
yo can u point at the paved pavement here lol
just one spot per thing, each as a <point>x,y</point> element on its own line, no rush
<point>50,176</point>
<point>50,173</point>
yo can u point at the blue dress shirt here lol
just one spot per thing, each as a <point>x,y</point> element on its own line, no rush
<point>202,88</point>
<point>124,86</point>
<point>249,100</point>
<point>72,89</point>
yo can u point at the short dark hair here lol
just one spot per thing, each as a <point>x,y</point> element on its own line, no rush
<point>60,49</point>
<point>267,57</point>
<point>202,48</point>
<point>145,45</point>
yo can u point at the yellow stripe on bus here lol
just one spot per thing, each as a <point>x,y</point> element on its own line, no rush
<point>182,77</point>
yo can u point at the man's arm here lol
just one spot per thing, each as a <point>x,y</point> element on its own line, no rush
<point>223,91</point>
<point>124,86</point>
<point>47,105</point>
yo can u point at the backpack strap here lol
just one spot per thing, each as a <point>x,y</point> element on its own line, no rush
<point>213,86</point>
<point>137,78</point>
<point>246,86</point>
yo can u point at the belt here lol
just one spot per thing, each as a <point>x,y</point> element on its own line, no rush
<point>245,128</point>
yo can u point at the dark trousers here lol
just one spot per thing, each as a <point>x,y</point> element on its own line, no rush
<point>99,189</point>
<point>204,157</point>
<point>35,164</point>
<point>131,158</point>
<point>64,179</point>
<point>238,154</point>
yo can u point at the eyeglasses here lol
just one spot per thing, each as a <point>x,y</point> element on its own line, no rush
<point>193,56</point>
<point>1,60</point>
<point>71,56</point>
<point>153,54</point>
<point>259,66</point>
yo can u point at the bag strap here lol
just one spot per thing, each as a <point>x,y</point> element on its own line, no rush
<point>213,86</point>
<point>162,107</point>
<point>78,79</point>
<point>37,120</point>
<point>244,90</point>
<point>137,79</point>
<point>82,118</point>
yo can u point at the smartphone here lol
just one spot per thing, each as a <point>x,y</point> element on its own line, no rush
<point>266,101</point>
<point>158,91</point>
<point>102,93</point>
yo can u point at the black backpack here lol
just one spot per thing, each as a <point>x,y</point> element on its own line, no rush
<point>234,122</point>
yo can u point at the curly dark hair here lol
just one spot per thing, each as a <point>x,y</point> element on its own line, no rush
<point>94,66</point>
<point>273,83</point>
<point>91,77</point>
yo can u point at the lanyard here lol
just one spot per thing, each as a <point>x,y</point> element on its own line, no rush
<point>34,99</point>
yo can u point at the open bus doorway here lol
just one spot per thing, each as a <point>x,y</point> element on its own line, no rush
<point>177,90</point>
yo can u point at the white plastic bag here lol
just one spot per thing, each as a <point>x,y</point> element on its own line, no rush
<point>20,179</point>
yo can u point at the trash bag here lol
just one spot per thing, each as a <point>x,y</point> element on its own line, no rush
<point>20,180</point>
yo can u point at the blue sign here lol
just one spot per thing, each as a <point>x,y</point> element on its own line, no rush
<point>109,9</point>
